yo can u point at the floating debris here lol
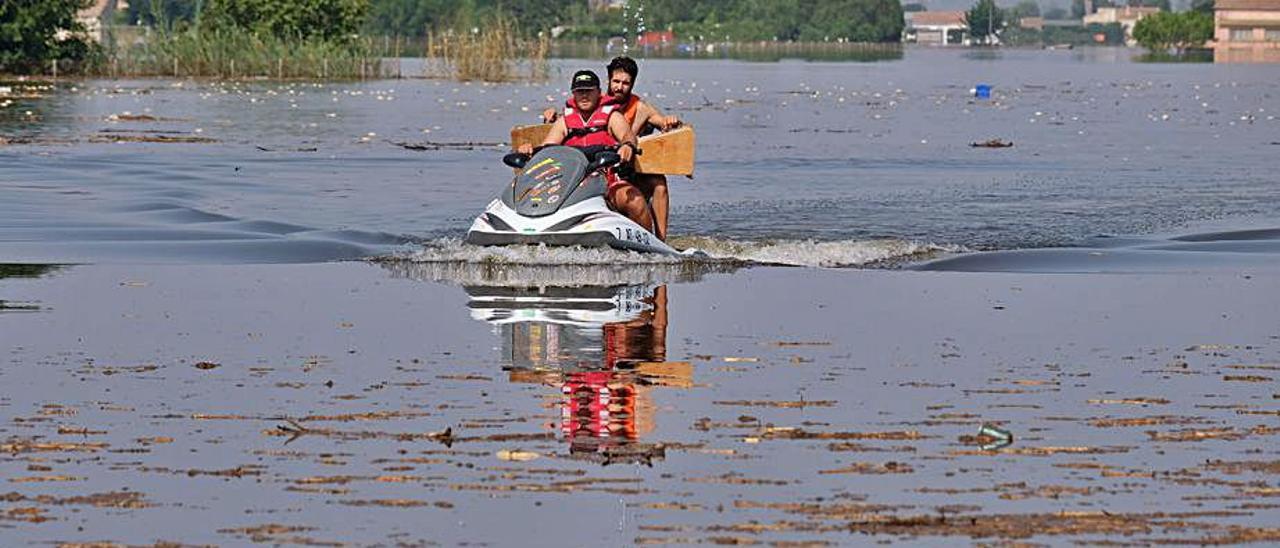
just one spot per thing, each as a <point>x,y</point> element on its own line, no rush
<point>18,306</point>
<point>784,404</point>
<point>294,149</point>
<point>991,437</point>
<point>788,344</point>
<point>448,145</point>
<point>890,467</point>
<point>516,455</point>
<point>111,137</point>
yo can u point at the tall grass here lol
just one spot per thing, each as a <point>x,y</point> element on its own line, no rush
<point>234,53</point>
<point>493,53</point>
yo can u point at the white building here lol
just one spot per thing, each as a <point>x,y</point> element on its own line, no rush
<point>940,28</point>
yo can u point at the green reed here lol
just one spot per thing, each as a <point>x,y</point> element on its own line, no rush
<point>233,53</point>
<point>496,52</point>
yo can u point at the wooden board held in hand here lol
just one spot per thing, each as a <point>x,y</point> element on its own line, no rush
<point>532,135</point>
<point>669,153</point>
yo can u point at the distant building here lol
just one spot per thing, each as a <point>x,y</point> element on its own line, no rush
<point>1127,16</point>
<point>1246,31</point>
<point>1033,23</point>
<point>939,28</point>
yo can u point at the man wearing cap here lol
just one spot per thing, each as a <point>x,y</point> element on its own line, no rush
<point>643,119</point>
<point>588,120</point>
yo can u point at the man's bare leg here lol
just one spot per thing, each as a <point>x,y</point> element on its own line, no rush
<point>629,201</point>
<point>654,187</point>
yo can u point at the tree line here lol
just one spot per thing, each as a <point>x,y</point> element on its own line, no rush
<point>206,37</point>
<point>734,20</point>
<point>33,32</point>
<point>1159,32</point>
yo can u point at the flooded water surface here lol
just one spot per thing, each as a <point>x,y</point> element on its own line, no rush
<point>788,153</point>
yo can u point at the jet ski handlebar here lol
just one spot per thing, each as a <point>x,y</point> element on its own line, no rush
<point>601,156</point>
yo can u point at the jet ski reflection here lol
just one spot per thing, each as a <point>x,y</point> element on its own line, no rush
<point>602,348</point>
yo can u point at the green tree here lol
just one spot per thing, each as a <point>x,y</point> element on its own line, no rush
<point>416,17</point>
<point>985,20</point>
<point>1055,13</point>
<point>162,13</point>
<point>857,20</point>
<point>323,19</point>
<point>29,34</point>
<point>409,17</point>
<point>1163,31</point>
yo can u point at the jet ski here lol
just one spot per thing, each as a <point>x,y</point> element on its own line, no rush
<point>578,307</point>
<point>558,199</point>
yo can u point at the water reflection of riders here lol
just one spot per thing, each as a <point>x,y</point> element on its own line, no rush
<point>643,339</point>
<point>590,120</point>
<point>609,406</point>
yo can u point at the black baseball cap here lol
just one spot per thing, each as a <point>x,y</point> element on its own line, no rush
<point>584,79</point>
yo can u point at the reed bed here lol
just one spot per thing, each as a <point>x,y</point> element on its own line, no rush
<point>494,53</point>
<point>240,54</point>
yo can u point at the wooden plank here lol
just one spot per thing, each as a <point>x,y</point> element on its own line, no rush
<point>532,135</point>
<point>676,374</point>
<point>669,153</point>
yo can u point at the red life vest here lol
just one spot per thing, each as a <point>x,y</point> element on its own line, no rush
<point>590,130</point>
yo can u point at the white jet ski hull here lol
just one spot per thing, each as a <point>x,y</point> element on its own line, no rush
<point>589,223</point>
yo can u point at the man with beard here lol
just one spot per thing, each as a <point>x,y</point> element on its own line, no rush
<point>643,118</point>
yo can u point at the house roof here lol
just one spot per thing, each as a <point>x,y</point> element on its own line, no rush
<point>1268,5</point>
<point>937,18</point>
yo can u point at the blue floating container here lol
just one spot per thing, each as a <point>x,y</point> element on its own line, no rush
<point>982,91</point>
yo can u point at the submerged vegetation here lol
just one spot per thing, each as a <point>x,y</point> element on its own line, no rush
<point>237,38</point>
<point>236,53</point>
<point>490,40</point>
<point>1093,34</point>
<point>488,53</point>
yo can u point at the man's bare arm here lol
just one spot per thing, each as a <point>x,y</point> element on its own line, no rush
<point>554,136</point>
<point>621,131</point>
<point>649,114</point>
